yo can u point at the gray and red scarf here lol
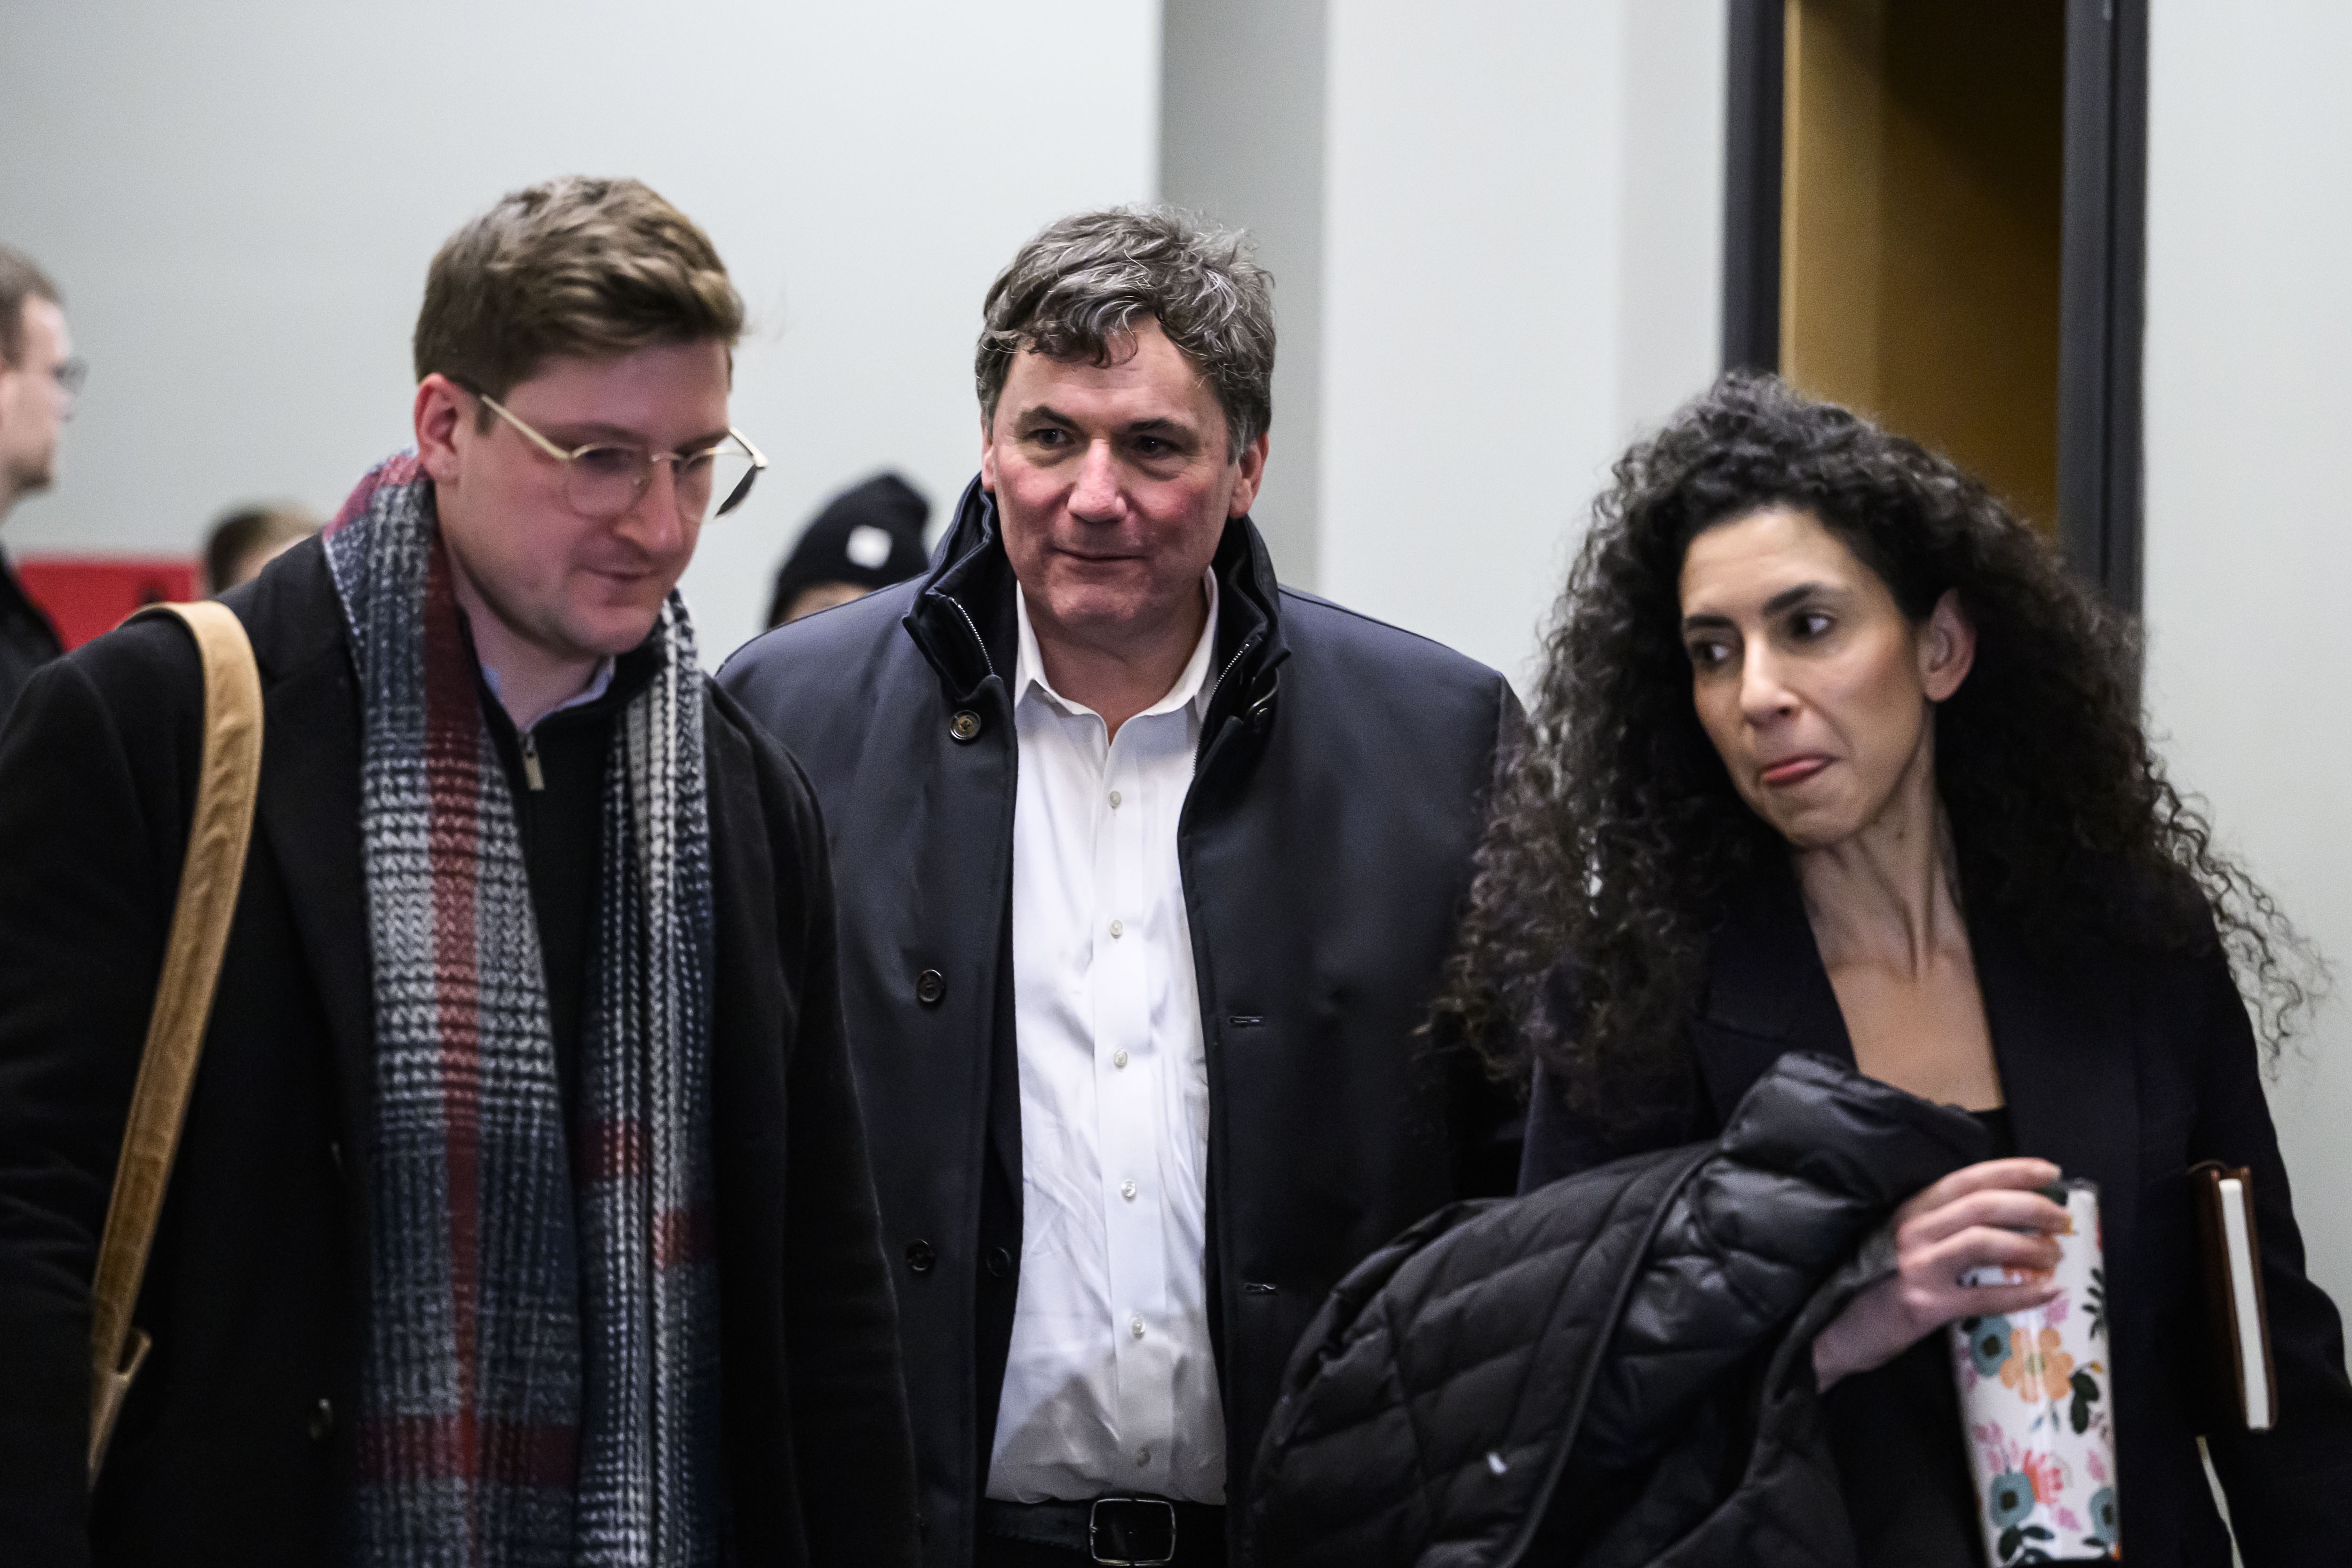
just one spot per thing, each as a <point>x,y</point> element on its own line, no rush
<point>540,1377</point>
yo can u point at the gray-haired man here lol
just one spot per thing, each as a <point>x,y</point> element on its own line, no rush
<point>1147,868</point>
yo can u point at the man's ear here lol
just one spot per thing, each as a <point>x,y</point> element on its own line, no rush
<point>1948,648</point>
<point>988,453</point>
<point>1252,466</point>
<point>441,406</point>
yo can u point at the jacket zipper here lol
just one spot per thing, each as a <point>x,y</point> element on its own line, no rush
<point>531,774</point>
<point>976,641</point>
<point>1211,736</point>
<point>1216,685</point>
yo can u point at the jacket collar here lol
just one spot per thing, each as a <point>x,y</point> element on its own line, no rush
<point>1767,991</point>
<point>1193,687</point>
<point>309,805</point>
<point>2061,1027</point>
<point>2062,1036</point>
<point>1764,975</point>
<point>963,617</point>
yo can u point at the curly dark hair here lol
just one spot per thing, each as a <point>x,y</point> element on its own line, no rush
<point>1617,835</point>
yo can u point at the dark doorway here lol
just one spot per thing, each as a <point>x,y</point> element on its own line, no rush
<point>1934,213</point>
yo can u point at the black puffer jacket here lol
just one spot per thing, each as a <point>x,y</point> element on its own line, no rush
<point>1614,1369</point>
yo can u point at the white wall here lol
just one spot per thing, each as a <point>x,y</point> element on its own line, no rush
<point>2249,530</point>
<point>239,203</point>
<point>1240,141</point>
<point>1521,245</point>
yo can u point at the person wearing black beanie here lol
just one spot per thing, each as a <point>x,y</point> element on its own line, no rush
<point>867,537</point>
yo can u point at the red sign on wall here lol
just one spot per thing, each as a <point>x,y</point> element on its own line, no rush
<point>86,594</point>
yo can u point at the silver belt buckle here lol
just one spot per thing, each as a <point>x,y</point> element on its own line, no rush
<point>1094,1526</point>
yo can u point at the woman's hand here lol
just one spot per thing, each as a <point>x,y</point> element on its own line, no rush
<point>1985,1216</point>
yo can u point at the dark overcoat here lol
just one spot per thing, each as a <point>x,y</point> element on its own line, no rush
<point>235,1444</point>
<point>27,640</point>
<point>1339,792</point>
<point>2127,1065</point>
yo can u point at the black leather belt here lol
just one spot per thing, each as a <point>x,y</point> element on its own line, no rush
<point>1140,1531</point>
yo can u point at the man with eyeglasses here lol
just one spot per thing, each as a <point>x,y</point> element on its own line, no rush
<point>522,1211</point>
<point>38,379</point>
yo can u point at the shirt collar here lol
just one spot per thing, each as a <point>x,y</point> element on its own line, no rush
<point>598,684</point>
<point>1191,686</point>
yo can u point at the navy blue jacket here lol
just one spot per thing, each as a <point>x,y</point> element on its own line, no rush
<point>1324,847</point>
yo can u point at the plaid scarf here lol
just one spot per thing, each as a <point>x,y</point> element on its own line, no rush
<point>539,1372</point>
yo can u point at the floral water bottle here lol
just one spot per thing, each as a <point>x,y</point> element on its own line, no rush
<point>2037,1406</point>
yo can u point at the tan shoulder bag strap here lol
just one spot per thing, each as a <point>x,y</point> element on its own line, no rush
<point>227,781</point>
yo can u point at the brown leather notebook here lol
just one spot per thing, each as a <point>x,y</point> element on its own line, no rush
<point>2245,1383</point>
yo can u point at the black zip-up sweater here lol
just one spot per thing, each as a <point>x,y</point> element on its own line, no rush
<point>556,771</point>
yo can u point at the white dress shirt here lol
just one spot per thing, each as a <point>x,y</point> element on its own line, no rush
<point>1111,1385</point>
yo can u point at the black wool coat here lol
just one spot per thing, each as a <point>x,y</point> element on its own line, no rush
<point>234,1446</point>
<point>1340,790</point>
<point>2128,1066</point>
<point>27,640</point>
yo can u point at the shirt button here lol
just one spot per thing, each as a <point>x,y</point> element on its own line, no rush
<point>1143,1457</point>
<point>1117,928</point>
<point>1114,800</point>
<point>1118,1059</point>
<point>1127,1191</point>
<point>1135,1325</point>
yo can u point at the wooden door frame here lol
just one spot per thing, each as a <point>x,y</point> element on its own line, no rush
<point>2102,265</point>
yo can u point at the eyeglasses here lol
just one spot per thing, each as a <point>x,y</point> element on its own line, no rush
<point>66,376</point>
<point>604,480</point>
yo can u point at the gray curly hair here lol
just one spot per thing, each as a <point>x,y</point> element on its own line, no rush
<point>1078,289</point>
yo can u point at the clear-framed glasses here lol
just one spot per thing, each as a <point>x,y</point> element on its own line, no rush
<point>604,480</point>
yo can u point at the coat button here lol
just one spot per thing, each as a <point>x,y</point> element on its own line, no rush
<point>920,1255</point>
<point>930,987</point>
<point>965,725</point>
<point>1000,1262</point>
<point>322,1421</point>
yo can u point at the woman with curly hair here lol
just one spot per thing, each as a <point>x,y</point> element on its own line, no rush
<point>1830,756</point>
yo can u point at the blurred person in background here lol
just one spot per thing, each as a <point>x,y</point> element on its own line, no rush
<point>867,537</point>
<point>524,1124</point>
<point>248,538</point>
<point>1148,865</point>
<point>38,379</point>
